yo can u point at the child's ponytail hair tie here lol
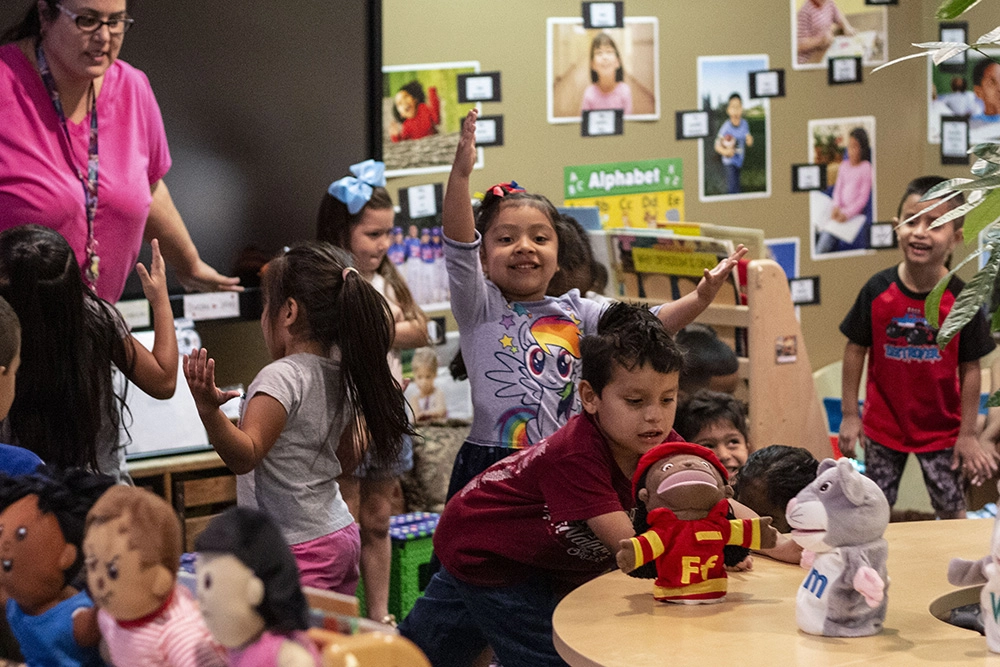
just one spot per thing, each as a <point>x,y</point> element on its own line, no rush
<point>355,191</point>
<point>347,271</point>
<point>501,189</point>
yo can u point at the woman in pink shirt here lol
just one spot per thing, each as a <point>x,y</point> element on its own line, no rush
<point>608,90</point>
<point>59,76</point>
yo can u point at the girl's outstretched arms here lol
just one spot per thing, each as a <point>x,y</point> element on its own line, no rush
<point>457,217</point>
<point>676,315</point>
<point>263,418</point>
<point>156,372</point>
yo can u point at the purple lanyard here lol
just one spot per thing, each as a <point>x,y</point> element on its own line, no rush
<point>89,181</point>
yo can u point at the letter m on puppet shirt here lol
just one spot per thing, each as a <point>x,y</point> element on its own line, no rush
<point>813,599</point>
<point>688,554</point>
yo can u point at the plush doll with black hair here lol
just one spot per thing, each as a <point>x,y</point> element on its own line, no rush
<point>249,593</point>
<point>683,489</point>
<point>41,531</point>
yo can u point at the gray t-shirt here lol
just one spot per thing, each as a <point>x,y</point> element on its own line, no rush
<point>523,358</point>
<point>296,483</point>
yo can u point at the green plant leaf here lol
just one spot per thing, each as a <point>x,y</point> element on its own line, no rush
<point>995,320</point>
<point>932,304</point>
<point>994,400</point>
<point>984,215</point>
<point>958,211</point>
<point>944,186</point>
<point>933,206</point>
<point>989,151</point>
<point>991,37</point>
<point>985,183</point>
<point>968,302</point>
<point>984,168</point>
<point>950,9</point>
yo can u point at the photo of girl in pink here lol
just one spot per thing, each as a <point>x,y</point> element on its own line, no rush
<point>608,89</point>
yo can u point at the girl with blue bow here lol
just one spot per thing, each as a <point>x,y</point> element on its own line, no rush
<point>357,214</point>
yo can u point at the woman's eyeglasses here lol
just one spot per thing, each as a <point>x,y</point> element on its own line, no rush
<point>87,23</point>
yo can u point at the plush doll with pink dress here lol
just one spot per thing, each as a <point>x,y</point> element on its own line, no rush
<point>249,593</point>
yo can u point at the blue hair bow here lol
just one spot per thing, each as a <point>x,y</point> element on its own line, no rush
<point>355,191</point>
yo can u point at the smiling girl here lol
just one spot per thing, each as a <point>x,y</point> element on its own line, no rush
<point>521,347</point>
<point>608,89</point>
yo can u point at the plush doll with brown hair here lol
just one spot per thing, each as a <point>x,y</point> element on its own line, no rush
<point>132,550</point>
<point>249,593</point>
<point>41,530</point>
<point>683,488</point>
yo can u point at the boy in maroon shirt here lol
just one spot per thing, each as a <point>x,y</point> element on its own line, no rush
<point>533,526</point>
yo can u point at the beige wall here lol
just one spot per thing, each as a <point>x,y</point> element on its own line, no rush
<point>511,38</point>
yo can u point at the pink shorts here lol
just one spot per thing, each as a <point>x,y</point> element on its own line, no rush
<point>331,562</point>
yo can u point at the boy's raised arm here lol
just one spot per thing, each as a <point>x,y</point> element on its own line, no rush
<point>457,216</point>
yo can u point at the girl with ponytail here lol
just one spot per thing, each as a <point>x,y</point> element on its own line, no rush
<point>308,416</point>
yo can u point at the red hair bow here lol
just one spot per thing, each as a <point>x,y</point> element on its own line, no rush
<point>501,189</point>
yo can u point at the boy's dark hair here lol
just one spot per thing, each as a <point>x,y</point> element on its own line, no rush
<point>781,470</point>
<point>575,258</point>
<point>604,39</point>
<point>979,71</point>
<point>416,91</point>
<point>10,333</point>
<point>920,186</point>
<point>343,309</point>
<point>628,336</point>
<point>734,96</point>
<point>861,136</point>
<point>255,540</point>
<point>705,357</point>
<point>68,494</point>
<point>704,408</point>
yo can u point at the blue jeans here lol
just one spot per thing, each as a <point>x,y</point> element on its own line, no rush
<point>453,622</point>
<point>732,178</point>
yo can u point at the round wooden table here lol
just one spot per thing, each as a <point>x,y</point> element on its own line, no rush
<point>614,620</point>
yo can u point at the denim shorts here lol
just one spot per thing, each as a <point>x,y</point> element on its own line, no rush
<point>403,463</point>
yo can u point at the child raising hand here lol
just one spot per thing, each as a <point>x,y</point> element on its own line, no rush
<point>522,348</point>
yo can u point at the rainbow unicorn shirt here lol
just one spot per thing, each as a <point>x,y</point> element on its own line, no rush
<point>523,358</point>
<point>541,370</point>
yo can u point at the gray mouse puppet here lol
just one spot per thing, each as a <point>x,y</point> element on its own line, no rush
<point>839,521</point>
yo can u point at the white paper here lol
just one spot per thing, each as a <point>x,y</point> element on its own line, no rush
<point>820,210</point>
<point>845,69</point>
<point>882,236</point>
<point>421,201</point>
<point>802,290</point>
<point>135,312</point>
<point>486,131</point>
<point>602,14</point>
<point>767,84</point>
<point>808,178</point>
<point>479,88</point>
<point>695,124</point>
<point>211,305</point>
<point>601,122</point>
<point>954,138</point>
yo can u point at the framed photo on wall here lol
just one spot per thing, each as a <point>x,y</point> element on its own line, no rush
<point>422,116</point>
<point>606,68</point>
